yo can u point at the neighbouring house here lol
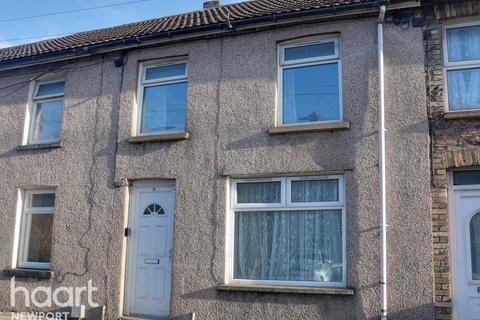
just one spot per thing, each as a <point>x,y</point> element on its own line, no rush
<point>452,46</point>
<point>232,163</point>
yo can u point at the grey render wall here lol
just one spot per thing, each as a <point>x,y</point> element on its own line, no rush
<point>231,104</point>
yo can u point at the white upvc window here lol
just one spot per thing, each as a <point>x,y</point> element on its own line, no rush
<point>161,98</point>
<point>35,237</point>
<point>310,82</point>
<point>286,231</point>
<point>461,52</point>
<point>45,112</point>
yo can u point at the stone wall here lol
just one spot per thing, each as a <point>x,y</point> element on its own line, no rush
<point>455,143</point>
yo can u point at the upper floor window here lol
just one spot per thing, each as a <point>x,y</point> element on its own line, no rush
<point>46,112</point>
<point>35,243</point>
<point>162,98</point>
<point>287,231</point>
<point>462,66</point>
<point>309,82</point>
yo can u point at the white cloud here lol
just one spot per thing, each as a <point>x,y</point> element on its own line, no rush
<point>6,44</point>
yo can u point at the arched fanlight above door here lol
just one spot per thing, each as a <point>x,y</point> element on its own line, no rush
<point>153,209</point>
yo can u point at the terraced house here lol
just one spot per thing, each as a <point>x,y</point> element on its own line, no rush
<point>270,159</point>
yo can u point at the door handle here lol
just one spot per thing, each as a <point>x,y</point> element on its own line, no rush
<point>170,254</point>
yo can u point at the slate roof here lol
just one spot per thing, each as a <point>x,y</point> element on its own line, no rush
<point>187,22</point>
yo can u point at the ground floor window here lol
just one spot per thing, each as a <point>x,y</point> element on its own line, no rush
<point>287,231</point>
<point>35,243</point>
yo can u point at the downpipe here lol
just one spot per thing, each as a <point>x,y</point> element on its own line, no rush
<point>383,193</point>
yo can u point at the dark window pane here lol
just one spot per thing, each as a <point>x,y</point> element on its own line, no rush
<point>164,108</point>
<point>44,200</point>
<point>466,177</point>
<point>463,43</point>
<point>169,71</point>
<point>48,120</point>
<point>259,192</point>
<point>289,245</point>
<point>311,94</point>
<point>475,246</point>
<point>40,241</point>
<point>463,89</point>
<point>48,89</point>
<point>314,190</point>
<point>310,51</point>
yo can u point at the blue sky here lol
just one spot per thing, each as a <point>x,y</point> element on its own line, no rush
<point>36,29</point>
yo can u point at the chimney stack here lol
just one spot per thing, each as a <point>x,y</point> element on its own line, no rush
<point>207,4</point>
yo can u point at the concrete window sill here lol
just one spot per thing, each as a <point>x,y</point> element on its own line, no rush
<point>278,289</point>
<point>303,128</point>
<point>51,145</point>
<point>28,273</point>
<point>460,115</point>
<point>159,138</point>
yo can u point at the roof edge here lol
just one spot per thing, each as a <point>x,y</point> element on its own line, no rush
<point>199,32</point>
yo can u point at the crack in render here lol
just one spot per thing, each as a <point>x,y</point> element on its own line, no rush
<point>91,189</point>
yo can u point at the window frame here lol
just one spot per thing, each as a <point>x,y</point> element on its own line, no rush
<point>32,110</point>
<point>282,65</point>
<point>232,206</point>
<point>457,65</point>
<point>143,83</point>
<point>25,223</point>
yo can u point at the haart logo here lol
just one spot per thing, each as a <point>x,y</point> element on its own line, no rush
<point>70,296</point>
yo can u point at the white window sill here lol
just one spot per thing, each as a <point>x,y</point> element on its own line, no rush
<point>165,137</point>
<point>284,289</point>
<point>303,128</point>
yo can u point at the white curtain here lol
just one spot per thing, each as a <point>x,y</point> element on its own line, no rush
<point>464,85</point>
<point>259,192</point>
<point>463,44</point>
<point>464,89</point>
<point>315,190</point>
<point>289,245</point>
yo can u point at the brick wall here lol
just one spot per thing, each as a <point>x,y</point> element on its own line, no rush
<point>455,143</point>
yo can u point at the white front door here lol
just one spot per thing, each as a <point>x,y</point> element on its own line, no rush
<point>465,218</point>
<point>149,260</point>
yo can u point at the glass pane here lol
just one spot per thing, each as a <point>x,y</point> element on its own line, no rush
<point>475,246</point>
<point>164,108</point>
<point>314,190</point>
<point>48,120</point>
<point>466,177</point>
<point>173,70</point>
<point>259,192</point>
<point>464,89</point>
<point>48,89</point>
<point>40,241</point>
<point>310,51</point>
<point>463,43</point>
<point>42,200</point>
<point>289,245</point>
<point>311,94</point>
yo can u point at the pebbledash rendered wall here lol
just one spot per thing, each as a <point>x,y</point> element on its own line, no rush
<point>455,142</point>
<point>231,104</point>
